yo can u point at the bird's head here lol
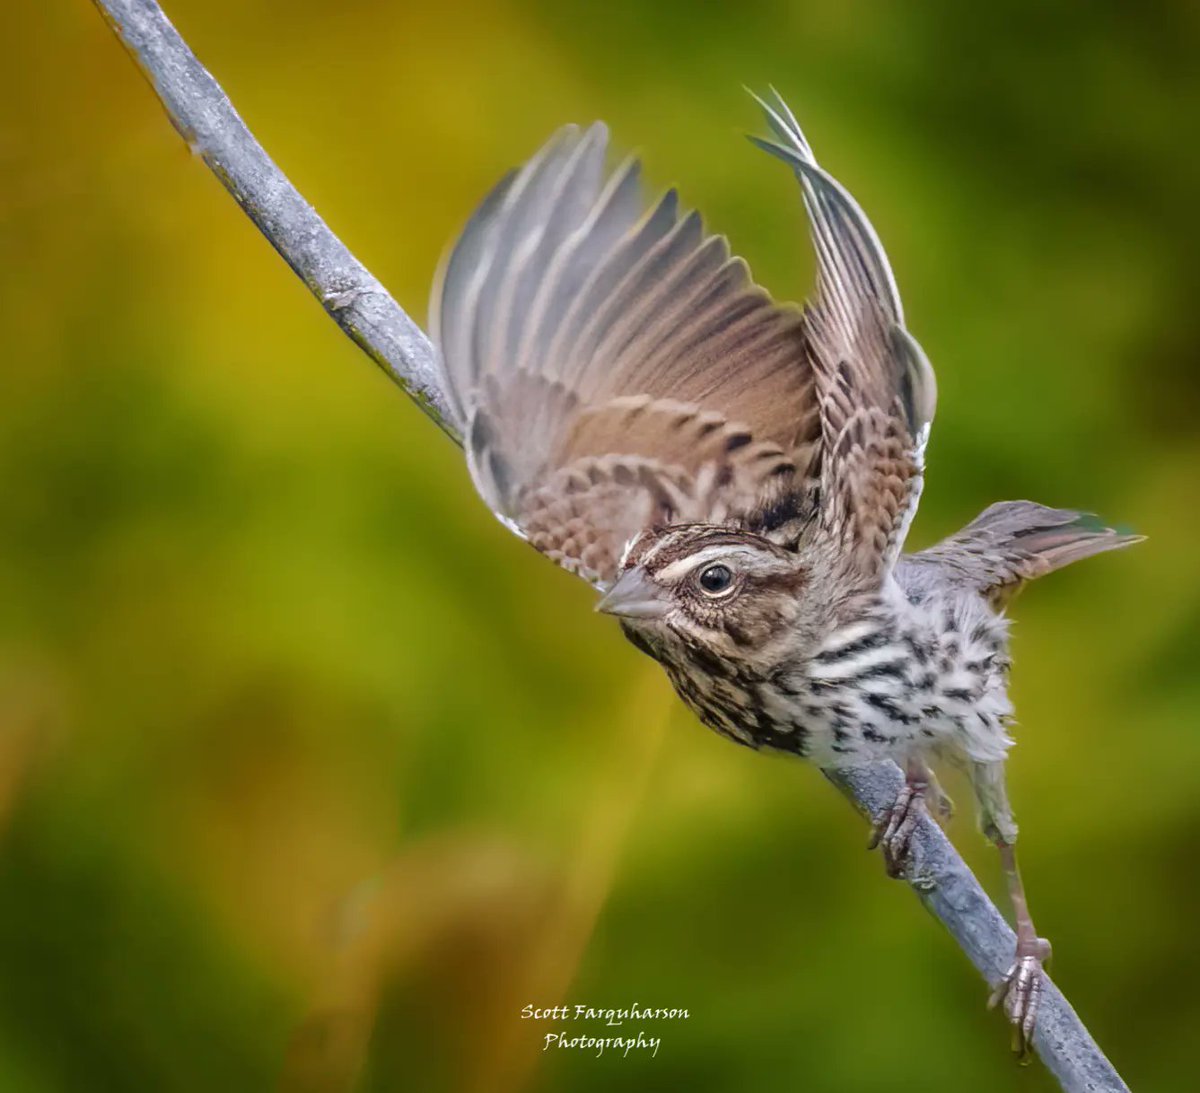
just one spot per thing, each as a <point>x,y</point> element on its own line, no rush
<point>716,588</point>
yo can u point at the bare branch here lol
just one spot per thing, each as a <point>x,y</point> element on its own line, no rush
<point>206,119</point>
<point>360,305</point>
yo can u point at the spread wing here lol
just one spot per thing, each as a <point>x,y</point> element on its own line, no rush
<point>613,367</point>
<point>876,387</point>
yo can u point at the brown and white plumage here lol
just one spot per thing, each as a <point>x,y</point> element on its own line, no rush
<point>738,476</point>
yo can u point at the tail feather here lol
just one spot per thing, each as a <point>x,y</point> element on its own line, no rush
<point>1012,542</point>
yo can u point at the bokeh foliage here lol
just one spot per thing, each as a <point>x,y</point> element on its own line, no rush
<point>308,768</point>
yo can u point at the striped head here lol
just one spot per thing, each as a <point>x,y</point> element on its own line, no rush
<point>708,589</point>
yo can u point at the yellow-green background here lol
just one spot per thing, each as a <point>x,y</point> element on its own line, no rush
<point>308,768</point>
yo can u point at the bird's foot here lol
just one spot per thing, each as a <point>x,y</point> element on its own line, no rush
<point>893,830</point>
<point>1021,992</point>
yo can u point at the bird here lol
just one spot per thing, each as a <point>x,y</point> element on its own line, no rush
<point>737,476</point>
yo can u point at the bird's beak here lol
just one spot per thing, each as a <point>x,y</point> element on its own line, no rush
<point>634,596</point>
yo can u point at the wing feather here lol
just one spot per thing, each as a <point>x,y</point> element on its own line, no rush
<point>613,366</point>
<point>616,368</point>
<point>877,389</point>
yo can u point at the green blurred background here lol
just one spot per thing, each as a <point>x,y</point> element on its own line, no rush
<point>311,775</point>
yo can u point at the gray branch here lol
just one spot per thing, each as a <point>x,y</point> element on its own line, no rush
<point>359,304</point>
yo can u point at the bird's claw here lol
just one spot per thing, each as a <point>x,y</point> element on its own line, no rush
<point>893,830</point>
<point>1020,990</point>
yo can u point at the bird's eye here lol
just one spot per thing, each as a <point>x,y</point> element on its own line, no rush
<point>716,579</point>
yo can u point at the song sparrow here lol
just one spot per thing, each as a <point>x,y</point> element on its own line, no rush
<point>737,477</point>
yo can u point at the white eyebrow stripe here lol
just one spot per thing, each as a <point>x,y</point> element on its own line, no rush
<point>680,569</point>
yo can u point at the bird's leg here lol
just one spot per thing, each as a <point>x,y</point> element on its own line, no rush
<point>1020,988</point>
<point>943,806</point>
<point>893,830</point>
